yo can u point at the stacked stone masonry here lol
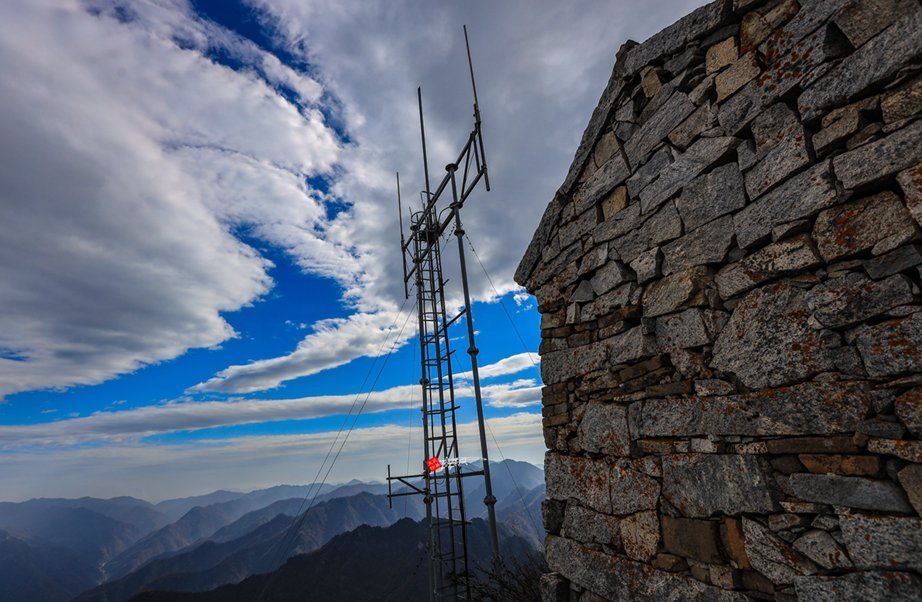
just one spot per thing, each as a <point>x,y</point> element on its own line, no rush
<point>729,283</point>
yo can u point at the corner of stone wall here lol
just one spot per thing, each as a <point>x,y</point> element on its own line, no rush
<point>729,283</point>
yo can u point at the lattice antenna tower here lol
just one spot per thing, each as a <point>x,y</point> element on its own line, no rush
<point>441,483</point>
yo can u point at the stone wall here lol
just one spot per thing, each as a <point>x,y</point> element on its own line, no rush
<point>729,282</point>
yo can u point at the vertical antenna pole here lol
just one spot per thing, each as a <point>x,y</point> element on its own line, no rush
<point>403,244</point>
<point>489,499</point>
<point>422,133</point>
<point>477,130</point>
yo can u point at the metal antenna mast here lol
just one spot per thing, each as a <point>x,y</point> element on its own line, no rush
<point>441,482</point>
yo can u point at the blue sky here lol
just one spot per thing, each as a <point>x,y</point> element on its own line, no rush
<point>199,239</point>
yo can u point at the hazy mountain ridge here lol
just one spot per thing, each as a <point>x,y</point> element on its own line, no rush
<point>54,549</point>
<point>32,571</point>
<point>201,522</point>
<point>89,534</point>
<point>366,564</point>
<point>209,564</point>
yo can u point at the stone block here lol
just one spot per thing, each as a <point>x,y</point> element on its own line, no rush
<point>707,244</point>
<point>911,183</point>
<point>610,275</point>
<point>681,331</point>
<point>704,118</point>
<point>772,557</point>
<point>713,386</point>
<point>756,27</point>
<point>911,451</point>
<point>583,479</point>
<point>883,542</point>
<point>691,538</point>
<point>605,148</point>
<point>892,347</point>
<point>615,201</point>
<point>781,148</point>
<point>859,225</point>
<point>647,265</point>
<point>685,289</point>
<point>742,71</point>
<point>558,366</point>
<point>701,485</point>
<point>861,466</point>
<point>589,526</point>
<point>583,292</point>
<point>838,131</point>
<point>631,490</point>
<point>821,548</point>
<point>802,196</point>
<point>910,479</point>
<point>879,427</point>
<point>650,82</point>
<point>652,133</point>
<point>817,445</point>
<point>853,492</point>
<point>861,20</point>
<point>789,229</point>
<point>640,535</point>
<point>767,342</point>
<point>893,262</point>
<point>648,172</point>
<point>877,160</point>
<point>711,195</point>
<point>603,429</point>
<point>618,578</point>
<point>720,55</point>
<point>908,408</point>
<point>699,156</point>
<point>902,103</point>
<point>661,227</point>
<point>891,586</point>
<point>631,345</point>
<point>619,224</point>
<point>854,298</point>
<point>734,543</point>
<point>778,259</point>
<point>814,408</point>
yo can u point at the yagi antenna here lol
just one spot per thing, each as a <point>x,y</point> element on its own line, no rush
<point>470,66</point>
<point>403,244</point>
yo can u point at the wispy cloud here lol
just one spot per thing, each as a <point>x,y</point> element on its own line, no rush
<point>507,365</point>
<point>160,471</point>
<point>332,343</point>
<point>186,415</point>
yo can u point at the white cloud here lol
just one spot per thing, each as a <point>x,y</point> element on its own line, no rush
<point>507,365</point>
<point>333,343</point>
<point>527,393</point>
<point>185,415</point>
<point>120,151</point>
<point>160,471</point>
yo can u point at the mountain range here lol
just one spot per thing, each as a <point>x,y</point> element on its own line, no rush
<point>366,564</point>
<point>92,549</point>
